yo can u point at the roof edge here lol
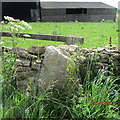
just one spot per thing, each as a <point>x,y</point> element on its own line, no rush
<point>42,2</point>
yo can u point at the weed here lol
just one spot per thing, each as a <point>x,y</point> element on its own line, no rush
<point>72,100</point>
<point>15,26</point>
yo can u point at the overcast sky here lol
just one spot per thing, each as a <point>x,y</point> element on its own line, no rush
<point>110,2</point>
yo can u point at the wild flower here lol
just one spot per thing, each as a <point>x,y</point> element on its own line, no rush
<point>9,18</point>
<point>11,23</point>
<point>25,24</point>
<point>15,26</point>
<point>18,26</point>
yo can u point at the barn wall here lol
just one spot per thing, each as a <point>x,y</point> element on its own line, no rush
<point>53,12</point>
<point>107,14</point>
<point>18,10</point>
<point>101,11</point>
<point>93,15</point>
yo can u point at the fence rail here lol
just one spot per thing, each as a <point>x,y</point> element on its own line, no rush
<point>46,37</point>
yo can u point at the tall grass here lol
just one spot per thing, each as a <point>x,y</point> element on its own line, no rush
<point>73,100</point>
<point>95,103</point>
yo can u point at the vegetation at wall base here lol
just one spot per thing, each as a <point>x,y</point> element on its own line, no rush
<point>72,100</point>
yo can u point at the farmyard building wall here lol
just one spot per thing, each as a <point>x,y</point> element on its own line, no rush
<point>56,11</point>
<point>93,15</point>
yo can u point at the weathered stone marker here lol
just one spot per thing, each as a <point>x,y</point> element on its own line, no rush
<point>54,67</point>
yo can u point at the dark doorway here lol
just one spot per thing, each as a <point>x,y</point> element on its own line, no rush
<point>18,10</point>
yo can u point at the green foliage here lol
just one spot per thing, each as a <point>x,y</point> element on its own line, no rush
<point>84,85</point>
<point>15,26</point>
<point>109,21</point>
<point>94,34</point>
<point>104,89</point>
<point>8,81</point>
<point>112,69</point>
<point>56,31</point>
<point>8,74</point>
<point>72,100</point>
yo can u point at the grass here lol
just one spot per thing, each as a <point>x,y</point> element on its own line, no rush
<point>95,34</point>
<point>76,97</point>
<point>71,101</point>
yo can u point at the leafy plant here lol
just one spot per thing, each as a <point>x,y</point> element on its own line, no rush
<point>72,100</point>
<point>15,26</point>
<point>102,88</point>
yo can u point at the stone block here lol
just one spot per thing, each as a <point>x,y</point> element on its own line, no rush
<point>22,53</point>
<point>24,75</point>
<point>22,69</point>
<point>70,39</point>
<point>82,59</point>
<point>116,56</point>
<point>35,66</point>
<point>22,62</point>
<point>37,50</point>
<point>22,83</point>
<point>45,66</point>
<point>103,56</point>
<point>100,49</point>
<point>68,49</point>
<point>103,60</point>
<point>54,67</point>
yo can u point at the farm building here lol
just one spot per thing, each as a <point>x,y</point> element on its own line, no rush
<point>77,11</point>
<point>18,10</point>
<point>61,11</point>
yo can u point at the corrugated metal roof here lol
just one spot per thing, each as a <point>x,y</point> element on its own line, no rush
<point>54,5</point>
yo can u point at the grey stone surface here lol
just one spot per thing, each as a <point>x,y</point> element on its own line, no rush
<point>100,49</point>
<point>68,49</point>
<point>82,59</point>
<point>70,40</point>
<point>54,67</point>
<point>22,83</point>
<point>36,50</point>
<point>35,66</point>
<point>24,75</point>
<point>22,62</point>
<point>103,56</point>
<point>22,53</point>
<point>22,69</point>
<point>73,48</point>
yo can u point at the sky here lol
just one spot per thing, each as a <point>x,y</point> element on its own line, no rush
<point>109,2</point>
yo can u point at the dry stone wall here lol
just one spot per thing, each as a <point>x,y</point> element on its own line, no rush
<point>104,57</point>
<point>42,66</point>
<point>28,65</point>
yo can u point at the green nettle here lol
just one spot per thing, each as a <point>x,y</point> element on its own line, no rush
<point>15,26</point>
